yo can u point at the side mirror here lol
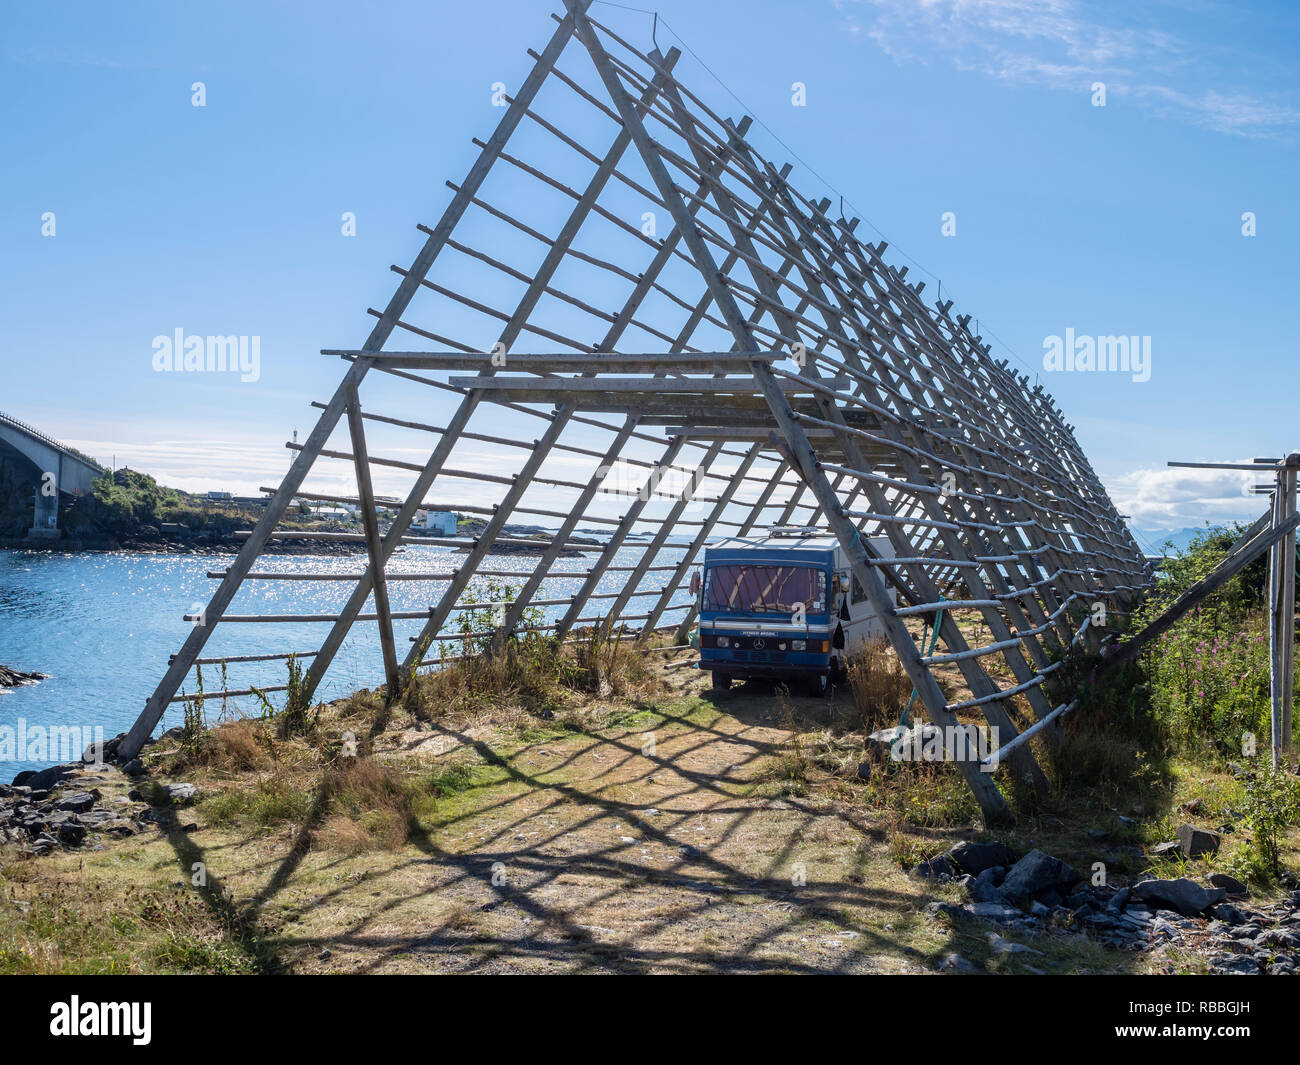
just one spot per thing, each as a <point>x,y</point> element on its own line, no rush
<point>837,641</point>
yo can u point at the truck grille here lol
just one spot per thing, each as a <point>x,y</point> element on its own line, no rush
<point>759,656</point>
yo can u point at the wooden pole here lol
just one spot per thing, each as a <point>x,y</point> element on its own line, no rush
<point>1274,619</point>
<point>1287,548</point>
<point>374,546</point>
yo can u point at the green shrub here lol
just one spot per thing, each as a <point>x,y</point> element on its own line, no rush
<point>1270,807</point>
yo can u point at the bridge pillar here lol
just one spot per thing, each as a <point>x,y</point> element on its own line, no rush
<point>45,522</point>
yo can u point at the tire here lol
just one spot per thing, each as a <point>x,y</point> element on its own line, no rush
<point>721,681</point>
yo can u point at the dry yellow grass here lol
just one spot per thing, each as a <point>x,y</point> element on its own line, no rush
<point>879,685</point>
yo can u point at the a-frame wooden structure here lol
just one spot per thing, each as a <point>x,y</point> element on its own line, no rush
<point>759,348</point>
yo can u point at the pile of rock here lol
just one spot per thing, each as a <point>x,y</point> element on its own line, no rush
<point>61,806</point>
<point>64,812</point>
<point>1041,894</point>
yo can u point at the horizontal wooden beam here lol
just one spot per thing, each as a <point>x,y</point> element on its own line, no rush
<point>562,387</point>
<point>565,362</point>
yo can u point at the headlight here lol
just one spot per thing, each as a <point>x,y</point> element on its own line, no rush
<point>724,641</point>
<point>780,647</point>
<point>799,645</point>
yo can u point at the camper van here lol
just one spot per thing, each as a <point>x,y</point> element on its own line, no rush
<point>785,606</point>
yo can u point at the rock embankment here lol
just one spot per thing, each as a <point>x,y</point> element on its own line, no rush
<point>1037,894</point>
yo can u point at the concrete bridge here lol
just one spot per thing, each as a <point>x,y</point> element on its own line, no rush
<point>60,470</point>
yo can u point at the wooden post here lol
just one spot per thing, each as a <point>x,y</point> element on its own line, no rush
<point>374,547</point>
<point>1274,620</point>
<point>1287,632</point>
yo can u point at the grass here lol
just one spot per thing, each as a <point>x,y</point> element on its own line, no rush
<point>879,687</point>
<point>270,800</point>
<point>388,857</point>
<point>97,926</point>
<point>535,674</point>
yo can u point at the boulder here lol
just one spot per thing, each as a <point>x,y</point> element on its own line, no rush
<point>1230,884</point>
<point>939,868</point>
<point>181,792</point>
<point>77,802</point>
<point>44,779</point>
<point>984,888</point>
<point>96,753</point>
<point>71,833</point>
<point>957,963</point>
<point>1230,914</point>
<point>1006,946</point>
<point>1235,965</point>
<point>1194,842</point>
<point>974,858</point>
<point>1183,895</point>
<point>993,911</point>
<point>1037,872</point>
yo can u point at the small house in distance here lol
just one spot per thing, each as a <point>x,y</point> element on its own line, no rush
<point>440,522</point>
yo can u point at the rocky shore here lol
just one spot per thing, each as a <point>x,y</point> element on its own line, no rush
<point>63,806</point>
<point>1037,895</point>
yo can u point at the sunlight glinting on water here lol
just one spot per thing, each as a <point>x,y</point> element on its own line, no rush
<point>104,624</point>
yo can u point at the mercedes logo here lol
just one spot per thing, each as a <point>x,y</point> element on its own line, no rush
<point>759,645</point>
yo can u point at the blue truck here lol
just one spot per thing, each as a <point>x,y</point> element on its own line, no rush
<point>784,606</point>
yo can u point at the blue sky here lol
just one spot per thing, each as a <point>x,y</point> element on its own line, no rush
<point>225,219</point>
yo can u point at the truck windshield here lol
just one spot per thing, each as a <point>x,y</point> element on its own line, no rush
<point>765,589</point>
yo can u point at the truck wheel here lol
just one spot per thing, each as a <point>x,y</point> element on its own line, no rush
<point>721,681</point>
<point>819,685</point>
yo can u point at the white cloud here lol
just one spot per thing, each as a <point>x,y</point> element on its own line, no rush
<point>1172,497</point>
<point>1062,45</point>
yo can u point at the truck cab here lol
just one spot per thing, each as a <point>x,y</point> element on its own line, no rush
<point>783,606</point>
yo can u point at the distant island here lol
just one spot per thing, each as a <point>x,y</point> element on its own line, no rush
<point>127,510</point>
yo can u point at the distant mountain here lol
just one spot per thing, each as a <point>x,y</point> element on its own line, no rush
<point>1153,540</point>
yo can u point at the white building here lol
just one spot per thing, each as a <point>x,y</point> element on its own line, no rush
<point>440,522</point>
